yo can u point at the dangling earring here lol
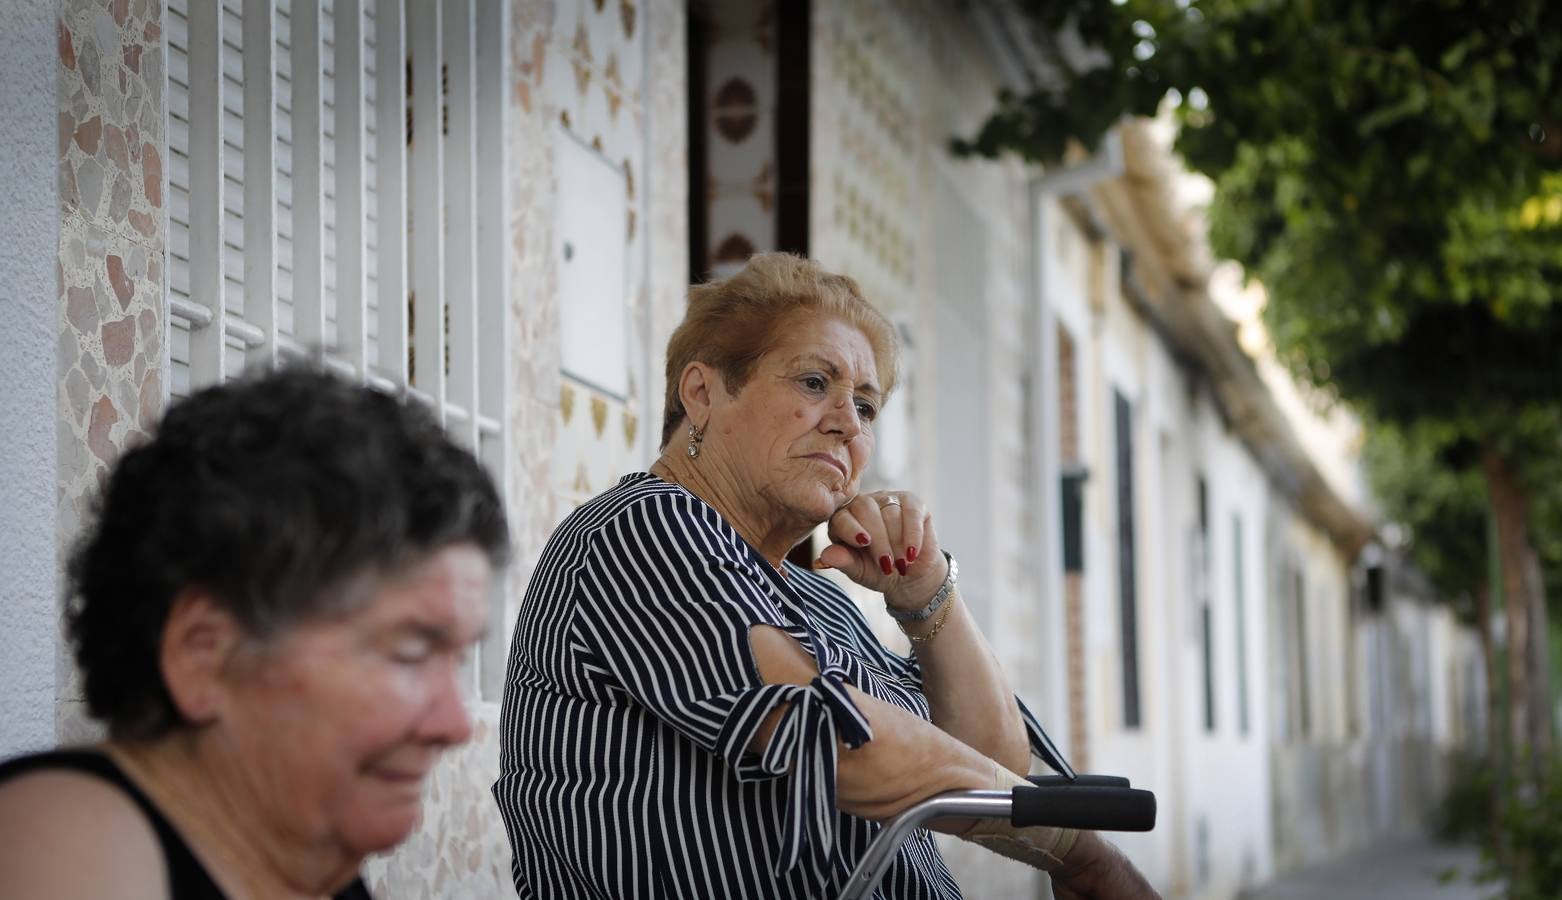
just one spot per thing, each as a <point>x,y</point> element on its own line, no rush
<point>696,437</point>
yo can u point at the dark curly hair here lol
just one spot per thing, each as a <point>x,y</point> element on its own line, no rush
<point>271,491</point>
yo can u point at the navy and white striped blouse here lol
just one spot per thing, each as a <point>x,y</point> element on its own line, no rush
<point>632,696</point>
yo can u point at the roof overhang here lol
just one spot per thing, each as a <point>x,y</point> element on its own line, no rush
<point>1171,268</point>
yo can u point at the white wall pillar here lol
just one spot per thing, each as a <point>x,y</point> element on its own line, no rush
<point>28,329</point>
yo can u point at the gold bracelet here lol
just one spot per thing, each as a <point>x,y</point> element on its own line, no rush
<point>937,626</point>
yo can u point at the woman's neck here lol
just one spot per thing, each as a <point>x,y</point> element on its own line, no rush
<point>743,510</point>
<point>245,855</point>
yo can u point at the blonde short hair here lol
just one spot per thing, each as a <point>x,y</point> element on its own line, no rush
<point>731,324</point>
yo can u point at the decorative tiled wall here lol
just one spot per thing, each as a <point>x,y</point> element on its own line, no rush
<point>594,73</point>
<point>667,198</point>
<point>870,155</point>
<point>112,185</point>
<point>740,134</point>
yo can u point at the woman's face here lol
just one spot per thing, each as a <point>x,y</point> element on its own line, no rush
<point>336,723</point>
<point>799,434</point>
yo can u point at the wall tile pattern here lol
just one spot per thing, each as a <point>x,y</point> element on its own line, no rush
<point>740,134</point>
<point>112,360</point>
<point>593,66</point>
<point>667,198</point>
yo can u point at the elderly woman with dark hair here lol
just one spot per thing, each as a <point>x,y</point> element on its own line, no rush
<point>687,714</point>
<point>270,614</point>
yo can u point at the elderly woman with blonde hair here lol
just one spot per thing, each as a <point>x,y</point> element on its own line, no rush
<point>686,713</point>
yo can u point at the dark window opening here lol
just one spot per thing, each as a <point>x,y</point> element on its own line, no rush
<point>1073,490</point>
<point>1239,597</point>
<point>1206,607</point>
<point>1126,570</point>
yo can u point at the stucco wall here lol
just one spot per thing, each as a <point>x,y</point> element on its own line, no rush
<point>28,326</point>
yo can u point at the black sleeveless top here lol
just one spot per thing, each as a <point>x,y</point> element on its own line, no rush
<point>187,878</point>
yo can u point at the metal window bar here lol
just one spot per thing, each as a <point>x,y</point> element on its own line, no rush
<point>260,176</point>
<point>295,189</point>
<point>281,128</point>
<point>460,172</point>
<point>493,292</point>
<point>425,171</point>
<point>290,196</point>
<point>391,188</point>
<point>308,73</point>
<point>208,347</point>
<point>352,288</point>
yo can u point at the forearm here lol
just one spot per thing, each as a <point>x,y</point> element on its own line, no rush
<point>1093,868</point>
<point>908,759</point>
<point>907,762</point>
<point>966,689</point>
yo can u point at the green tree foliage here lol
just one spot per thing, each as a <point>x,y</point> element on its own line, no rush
<point>1442,507</point>
<point>1392,173</point>
<point>1388,170</point>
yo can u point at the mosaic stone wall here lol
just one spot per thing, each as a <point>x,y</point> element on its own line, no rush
<point>113,315</point>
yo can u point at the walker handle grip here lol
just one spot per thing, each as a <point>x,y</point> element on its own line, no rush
<point>1086,808</point>
<point>1079,781</point>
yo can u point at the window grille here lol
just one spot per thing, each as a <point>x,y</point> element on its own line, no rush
<point>309,141</point>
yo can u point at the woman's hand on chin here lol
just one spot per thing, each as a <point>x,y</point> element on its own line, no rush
<point>884,541</point>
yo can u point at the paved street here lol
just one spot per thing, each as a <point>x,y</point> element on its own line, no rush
<point>1402,869</point>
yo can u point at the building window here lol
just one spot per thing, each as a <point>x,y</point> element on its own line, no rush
<point>1073,475</point>
<point>1202,592</point>
<point>309,143</point>
<point>1303,695</point>
<point>1128,611</point>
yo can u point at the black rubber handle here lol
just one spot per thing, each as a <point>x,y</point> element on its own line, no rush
<point>1079,781</point>
<point>1087,808</point>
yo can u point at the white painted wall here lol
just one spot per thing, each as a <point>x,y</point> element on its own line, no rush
<point>1226,770</point>
<point>1214,833</point>
<point>29,314</point>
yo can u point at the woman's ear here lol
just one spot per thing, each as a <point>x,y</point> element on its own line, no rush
<point>198,641</point>
<point>695,388</point>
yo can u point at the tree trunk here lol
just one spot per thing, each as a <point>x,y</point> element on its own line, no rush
<point>1495,714</point>
<point>1496,748</point>
<point>1510,509</point>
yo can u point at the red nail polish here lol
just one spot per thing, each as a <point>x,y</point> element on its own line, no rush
<point>885,564</point>
<point>900,566</point>
<point>911,554</point>
<point>863,539</point>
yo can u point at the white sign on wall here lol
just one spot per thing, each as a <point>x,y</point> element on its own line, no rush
<point>592,229</point>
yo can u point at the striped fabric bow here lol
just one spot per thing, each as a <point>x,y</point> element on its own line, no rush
<point>804,744</point>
